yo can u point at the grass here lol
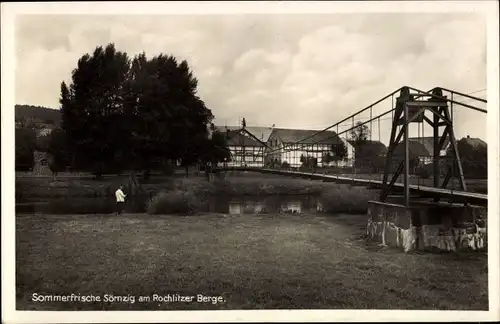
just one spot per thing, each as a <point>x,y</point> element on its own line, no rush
<point>254,262</point>
<point>44,187</point>
<point>346,199</point>
<point>177,201</point>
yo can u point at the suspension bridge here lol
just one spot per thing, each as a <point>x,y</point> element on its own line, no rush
<point>401,119</point>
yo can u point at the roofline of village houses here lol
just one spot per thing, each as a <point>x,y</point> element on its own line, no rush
<point>285,148</point>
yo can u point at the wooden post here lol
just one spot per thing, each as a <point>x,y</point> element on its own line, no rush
<point>406,157</point>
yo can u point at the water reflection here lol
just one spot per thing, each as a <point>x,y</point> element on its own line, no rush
<point>276,204</point>
<point>232,206</point>
<point>81,206</point>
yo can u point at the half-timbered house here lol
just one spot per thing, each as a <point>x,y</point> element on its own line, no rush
<point>246,149</point>
<point>290,145</point>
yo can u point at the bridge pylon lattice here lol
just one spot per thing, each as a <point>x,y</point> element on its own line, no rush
<point>417,108</point>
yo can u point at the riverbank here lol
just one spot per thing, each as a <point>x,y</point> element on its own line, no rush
<point>252,261</point>
<point>191,195</point>
<point>232,184</point>
<point>239,184</point>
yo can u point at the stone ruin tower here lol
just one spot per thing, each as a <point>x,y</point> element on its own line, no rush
<point>41,163</point>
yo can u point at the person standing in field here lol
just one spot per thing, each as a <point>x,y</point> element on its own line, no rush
<point>120,200</point>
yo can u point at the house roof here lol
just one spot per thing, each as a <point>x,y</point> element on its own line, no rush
<point>427,142</point>
<point>474,141</point>
<point>236,138</point>
<point>262,133</point>
<point>306,136</point>
<point>421,146</point>
<point>371,146</point>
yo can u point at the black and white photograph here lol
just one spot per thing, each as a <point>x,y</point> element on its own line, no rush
<point>290,161</point>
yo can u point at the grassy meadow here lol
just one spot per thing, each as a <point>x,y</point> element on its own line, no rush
<point>252,261</point>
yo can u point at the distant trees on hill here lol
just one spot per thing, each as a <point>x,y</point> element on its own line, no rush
<point>38,114</point>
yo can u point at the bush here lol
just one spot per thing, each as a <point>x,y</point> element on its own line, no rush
<point>285,165</point>
<point>346,199</point>
<point>423,172</point>
<point>177,201</point>
<point>168,168</point>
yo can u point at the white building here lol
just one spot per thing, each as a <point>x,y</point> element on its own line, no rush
<point>245,148</point>
<point>289,145</point>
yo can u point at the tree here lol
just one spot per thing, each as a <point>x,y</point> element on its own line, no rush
<point>339,152</point>
<point>217,149</point>
<point>244,123</point>
<point>42,143</point>
<point>308,161</point>
<point>25,143</point>
<point>360,133</point>
<point>168,119</point>
<point>327,158</point>
<point>371,155</point>
<point>92,106</point>
<point>133,114</point>
<point>474,159</point>
<point>57,150</point>
<point>285,165</point>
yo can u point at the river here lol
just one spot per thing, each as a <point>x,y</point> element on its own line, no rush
<point>225,205</point>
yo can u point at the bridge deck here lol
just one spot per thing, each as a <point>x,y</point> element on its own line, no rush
<point>454,195</point>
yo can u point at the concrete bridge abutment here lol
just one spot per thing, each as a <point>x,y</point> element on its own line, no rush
<point>428,226</point>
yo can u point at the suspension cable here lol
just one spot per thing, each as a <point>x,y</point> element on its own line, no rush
<point>286,148</point>
<point>343,132</point>
<point>345,119</point>
<point>453,101</point>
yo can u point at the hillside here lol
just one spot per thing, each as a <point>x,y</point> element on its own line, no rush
<point>40,114</point>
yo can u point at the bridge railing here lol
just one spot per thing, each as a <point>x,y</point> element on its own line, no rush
<point>477,183</point>
<point>474,196</point>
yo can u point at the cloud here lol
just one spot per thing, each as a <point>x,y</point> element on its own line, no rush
<point>288,70</point>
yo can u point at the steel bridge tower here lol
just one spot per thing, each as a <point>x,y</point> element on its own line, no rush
<point>412,109</point>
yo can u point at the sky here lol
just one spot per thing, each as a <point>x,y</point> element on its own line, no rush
<point>296,71</point>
